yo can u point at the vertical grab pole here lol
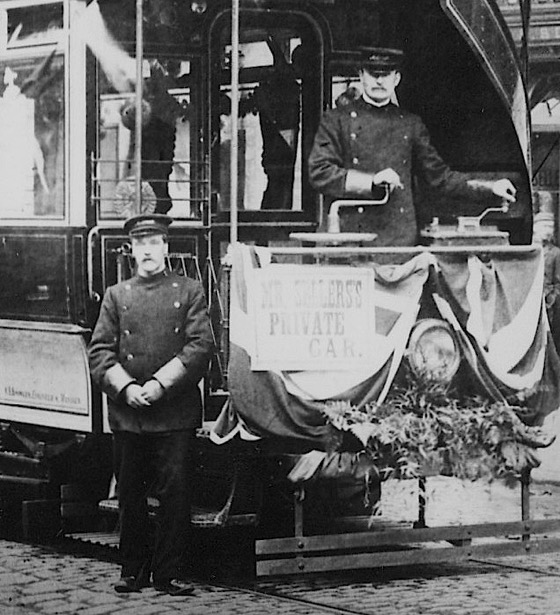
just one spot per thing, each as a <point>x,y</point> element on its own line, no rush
<point>421,502</point>
<point>526,503</point>
<point>138,107</point>
<point>234,118</point>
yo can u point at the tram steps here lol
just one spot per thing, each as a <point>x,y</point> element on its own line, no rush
<point>108,539</point>
<point>199,517</point>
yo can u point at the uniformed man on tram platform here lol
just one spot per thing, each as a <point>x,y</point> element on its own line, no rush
<point>371,141</point>
<point>148,352</point>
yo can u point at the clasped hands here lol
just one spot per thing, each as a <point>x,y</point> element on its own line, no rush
<point>143,396</point>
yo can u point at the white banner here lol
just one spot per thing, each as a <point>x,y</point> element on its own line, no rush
<point>311,318</point>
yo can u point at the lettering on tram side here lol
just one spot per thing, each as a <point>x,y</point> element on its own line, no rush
<point>33,395</point>
<point>308,317</point>
<point>45,371</point>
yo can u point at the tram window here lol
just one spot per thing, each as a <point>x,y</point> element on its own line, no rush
<point>269,145</point>
<point>275,111</point>
<point>32,128</point>
<point>344,89</point>
<point>276,188</point>
<point>24,26</point>
<point>174,175</point>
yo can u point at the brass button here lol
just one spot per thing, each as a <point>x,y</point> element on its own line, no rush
<point>353,135</point>
<point>124,307</point>
<point>128,287</point>
<point>126,332</point>
<point>355,160</point>
<point>175,285</point>
<point>353,114</point>
<point>129,357</point>
<point>177,304</point>
<point>177,330</point>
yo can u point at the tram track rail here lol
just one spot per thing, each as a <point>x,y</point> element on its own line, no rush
<point>254,589</point>
<point>531,569</point>
<point>293,600</point>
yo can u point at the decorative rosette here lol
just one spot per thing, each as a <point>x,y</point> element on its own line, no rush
<point>125,198</point>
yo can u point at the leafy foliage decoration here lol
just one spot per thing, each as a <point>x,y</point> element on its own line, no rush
<point>424,430</point>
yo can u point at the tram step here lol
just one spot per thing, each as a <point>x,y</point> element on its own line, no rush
<point>205,518</point>
<point>109,539</point>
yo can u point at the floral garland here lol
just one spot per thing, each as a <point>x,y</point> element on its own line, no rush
<point>423,430</point>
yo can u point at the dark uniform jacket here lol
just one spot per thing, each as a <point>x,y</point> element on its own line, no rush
<point>152,327</point>
<point>368,139</point>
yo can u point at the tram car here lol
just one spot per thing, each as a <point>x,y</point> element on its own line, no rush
<point>111,108</point>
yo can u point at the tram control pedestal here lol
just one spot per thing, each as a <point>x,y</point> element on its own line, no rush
<point>448,235</point>
<point>469,231</point>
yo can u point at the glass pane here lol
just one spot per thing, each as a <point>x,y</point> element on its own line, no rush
<point>344,89</point>
<point>173,179</point>
<point>270,121</point>
<point>32,270</point>
<point>32,143</point>
<point>32,25</point>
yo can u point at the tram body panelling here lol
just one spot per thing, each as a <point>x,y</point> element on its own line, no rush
<point>460,75</point>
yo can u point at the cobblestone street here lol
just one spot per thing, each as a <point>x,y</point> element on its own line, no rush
<point>42,581</point>
<point>50,581</point>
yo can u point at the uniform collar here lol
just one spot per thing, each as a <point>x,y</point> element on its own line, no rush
<point>388,107</point>
<point>153,279</point>
<point>372,103</point>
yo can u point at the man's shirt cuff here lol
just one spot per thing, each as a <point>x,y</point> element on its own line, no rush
<point>358,182</point>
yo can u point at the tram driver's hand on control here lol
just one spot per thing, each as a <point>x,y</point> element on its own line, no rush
<point>389,177</point>
<point>136,397</point>
<point>505,190</point>
<point>153,390</point>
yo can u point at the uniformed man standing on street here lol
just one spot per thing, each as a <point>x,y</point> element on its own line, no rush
<point>371,142</point>
<point>148,352</point>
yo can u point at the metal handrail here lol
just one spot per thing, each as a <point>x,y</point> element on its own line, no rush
<point>340,250</point>
<point>198,185</point>
<point>93,234</point>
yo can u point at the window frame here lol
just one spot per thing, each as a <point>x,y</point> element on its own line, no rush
<point>73,53</point>
<point>197,149</point>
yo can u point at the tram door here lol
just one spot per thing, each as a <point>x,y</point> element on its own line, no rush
<point>279,103</point>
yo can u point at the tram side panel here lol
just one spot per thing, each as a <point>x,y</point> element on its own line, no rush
<point>44,377</point>
<point>47,407</point>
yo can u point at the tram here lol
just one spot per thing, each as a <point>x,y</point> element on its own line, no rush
<point>114,108</point>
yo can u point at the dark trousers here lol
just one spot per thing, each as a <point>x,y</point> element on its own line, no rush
<point>157,464</point>
<point>278,193</point>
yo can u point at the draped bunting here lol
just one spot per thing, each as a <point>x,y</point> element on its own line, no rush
<point>495,307</point>
<point>498,311</point>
